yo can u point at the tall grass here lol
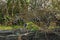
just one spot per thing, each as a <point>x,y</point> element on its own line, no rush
<point>12,8</point>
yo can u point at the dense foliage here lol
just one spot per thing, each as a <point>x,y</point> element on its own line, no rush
<point>42,13</point>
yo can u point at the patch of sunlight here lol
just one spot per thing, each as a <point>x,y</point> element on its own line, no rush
<point>17,27</point>
<point>5,28</point>
<point>51,27</point>
<point>31,26</point>
<point>28,1</point>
